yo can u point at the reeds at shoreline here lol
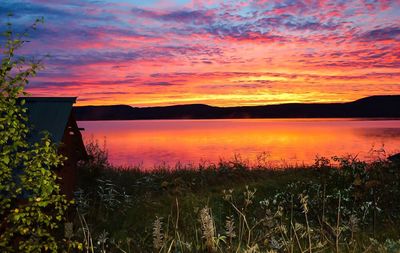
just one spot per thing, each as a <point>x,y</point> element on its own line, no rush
<point>335,205</point>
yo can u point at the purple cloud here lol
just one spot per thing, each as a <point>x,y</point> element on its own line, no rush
<point>386,33</point>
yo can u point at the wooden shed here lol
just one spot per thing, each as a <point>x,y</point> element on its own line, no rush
<point>54,115</point>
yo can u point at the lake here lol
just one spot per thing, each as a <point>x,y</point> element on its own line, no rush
<point>276,141</point>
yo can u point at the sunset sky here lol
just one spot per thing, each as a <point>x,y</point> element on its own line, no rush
<point>225,53</point>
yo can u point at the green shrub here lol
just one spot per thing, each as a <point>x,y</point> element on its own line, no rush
<point>31,206</point>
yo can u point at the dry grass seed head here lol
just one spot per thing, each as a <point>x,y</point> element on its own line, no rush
<point>207,228</point>
<point>158,236</point>
<point>230,227</point>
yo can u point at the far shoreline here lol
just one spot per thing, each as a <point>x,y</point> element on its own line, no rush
<point>283,119</point>
<point>369,107</point>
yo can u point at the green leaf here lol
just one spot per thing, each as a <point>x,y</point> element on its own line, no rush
<point>6,159</point>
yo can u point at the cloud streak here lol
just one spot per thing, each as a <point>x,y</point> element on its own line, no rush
<point>216,52</point>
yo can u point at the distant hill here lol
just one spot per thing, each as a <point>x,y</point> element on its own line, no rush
<point>374,106</point>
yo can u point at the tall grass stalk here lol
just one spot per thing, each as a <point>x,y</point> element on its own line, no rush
<point>336,210</point>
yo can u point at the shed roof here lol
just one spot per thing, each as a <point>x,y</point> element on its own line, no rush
<point>49,114</point>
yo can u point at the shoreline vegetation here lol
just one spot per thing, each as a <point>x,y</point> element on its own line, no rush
<point>340,204</point>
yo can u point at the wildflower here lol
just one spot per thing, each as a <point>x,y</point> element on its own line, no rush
<point>304,202</point>
<point>227,194</point>
<point>353,222</point>
<point>158,236</point>
<point>230,227</point>
<point>279,212</point>
<point>103,237</point>
<point>102,240</point>
<point>282,229</point>
<point>249,195</point>
<point>298,227</point>
<point>187,245</point>
<point>208,229</point>
<point>275,244</point>
<point>264,203</point>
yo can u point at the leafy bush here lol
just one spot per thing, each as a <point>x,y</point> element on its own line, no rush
<point>31,206</point>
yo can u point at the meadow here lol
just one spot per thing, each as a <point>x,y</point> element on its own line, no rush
<point>340,204</point>
<point>336,204</point>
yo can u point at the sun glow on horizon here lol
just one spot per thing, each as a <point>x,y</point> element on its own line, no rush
<point>221,53</point>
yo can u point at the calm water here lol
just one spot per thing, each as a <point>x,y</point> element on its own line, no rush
<point>277,141</point>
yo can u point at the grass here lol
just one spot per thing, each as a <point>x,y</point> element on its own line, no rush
<point>336,205</point>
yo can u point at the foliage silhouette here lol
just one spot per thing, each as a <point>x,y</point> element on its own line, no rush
<point>31,205</point>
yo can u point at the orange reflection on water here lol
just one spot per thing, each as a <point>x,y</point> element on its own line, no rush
<point>286,141</point>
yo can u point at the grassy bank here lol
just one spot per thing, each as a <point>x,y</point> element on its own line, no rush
<point>336,205</point>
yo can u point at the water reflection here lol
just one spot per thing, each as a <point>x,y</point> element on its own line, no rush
<point>287,141</point>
